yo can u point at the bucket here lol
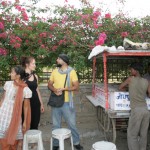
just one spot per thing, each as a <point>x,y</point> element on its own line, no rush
<point>103,145</point>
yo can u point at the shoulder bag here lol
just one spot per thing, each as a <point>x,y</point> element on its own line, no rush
<point>55,100</point>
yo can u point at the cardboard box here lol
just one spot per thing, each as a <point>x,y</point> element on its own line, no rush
<point>117,100</point>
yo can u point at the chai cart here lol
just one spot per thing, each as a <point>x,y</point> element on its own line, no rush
<point>107,117</point>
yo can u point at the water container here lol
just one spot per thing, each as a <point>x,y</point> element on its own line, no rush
<point>103,145</point>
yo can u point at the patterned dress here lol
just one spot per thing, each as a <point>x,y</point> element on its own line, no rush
<point>6,108</point>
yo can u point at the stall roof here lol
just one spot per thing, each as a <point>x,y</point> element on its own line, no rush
<point>106,53</point>
<point>126,53</point>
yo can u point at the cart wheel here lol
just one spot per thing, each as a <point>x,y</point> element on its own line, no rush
<point>109,128</point>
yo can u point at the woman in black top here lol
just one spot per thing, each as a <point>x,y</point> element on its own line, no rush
<point>31,80</point>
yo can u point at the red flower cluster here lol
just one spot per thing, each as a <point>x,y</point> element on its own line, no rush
<point>53,26</point>
<point>108,16</point>
<point>1,26</point>
<point>101,39</point>
<point>124,34</point>
<point>15,41</point>
<point>3,51</point>
<point>23,11</point>
<point>3,35</point>
<point>95,16</point>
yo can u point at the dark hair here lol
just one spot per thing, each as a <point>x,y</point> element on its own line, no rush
<point>19,71</point>
<point>137,66</point>
<point>64,57</point>
<point>26,60</point>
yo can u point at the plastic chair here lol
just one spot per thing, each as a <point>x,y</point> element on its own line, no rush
<point>33,136</point>
<point>103,145</point>
<point>61,134</point>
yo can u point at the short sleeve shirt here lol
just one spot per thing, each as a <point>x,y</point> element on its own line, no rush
<point>59,80</point>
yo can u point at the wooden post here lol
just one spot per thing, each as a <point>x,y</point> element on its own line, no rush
<point>94,76</point>
<point>105,80</point>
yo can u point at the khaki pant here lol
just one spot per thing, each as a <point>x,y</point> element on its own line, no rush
<point>138,128</point>
<point>5,146</point>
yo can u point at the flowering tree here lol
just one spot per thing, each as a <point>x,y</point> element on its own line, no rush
<point>74,31</point>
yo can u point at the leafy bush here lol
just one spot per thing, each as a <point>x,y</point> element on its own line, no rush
<point>65,30</point>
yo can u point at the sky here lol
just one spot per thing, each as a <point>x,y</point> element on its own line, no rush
<point>134,8</point>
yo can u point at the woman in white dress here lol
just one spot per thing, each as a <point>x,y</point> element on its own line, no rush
<point>11,127</point>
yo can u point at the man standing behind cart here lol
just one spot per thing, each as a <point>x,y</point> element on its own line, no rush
<point>139,118</point>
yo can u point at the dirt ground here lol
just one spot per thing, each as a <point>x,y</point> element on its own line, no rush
<point>88,129</point>
<point>86,123</point>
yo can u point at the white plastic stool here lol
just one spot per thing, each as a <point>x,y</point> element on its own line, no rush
<point>61,134</point>
<point>103,145</point>
<point>33,136</point>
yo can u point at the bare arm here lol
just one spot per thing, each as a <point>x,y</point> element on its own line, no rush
<point>26,108</point>
<point>39,95</point>
<point>74,87</point>
<point>51,87</point>
<point>125,83</point>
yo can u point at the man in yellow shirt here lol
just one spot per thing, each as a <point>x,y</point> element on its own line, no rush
<point>56,84</point>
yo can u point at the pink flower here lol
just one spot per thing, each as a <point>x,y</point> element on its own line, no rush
<point>124,34</point>
<point>108,16</point>
<point>4,3</point>
<point>39,41</point>
<point>60,42</point>
<point>95,16</point>
<point>3,35</point>
<point>27,41</point>
<point>1,26</point>
<point>18,39</point>
<point>96,13</point>
<point>53,26</point>
<point>64,19</point>
<point>95,26</point>
<point>12,41</point>
<point>18,7</point>
<point>3,51</point>
<point>100,41</point>
<point>43,46</point>
<point>30,28</point>
<point>43,34</point>
<point>85,16</point>
<point>74,43</point>
<point>103,35</point>
<point>50,35</point>
<point>23,9</point>
<point>17,45</point>
<point>25,16</point>
<point>17,20</point>
<point>54,48</point>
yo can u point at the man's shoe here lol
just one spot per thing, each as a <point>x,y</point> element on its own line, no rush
<point>55,147</point>
<point>78,147</point>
